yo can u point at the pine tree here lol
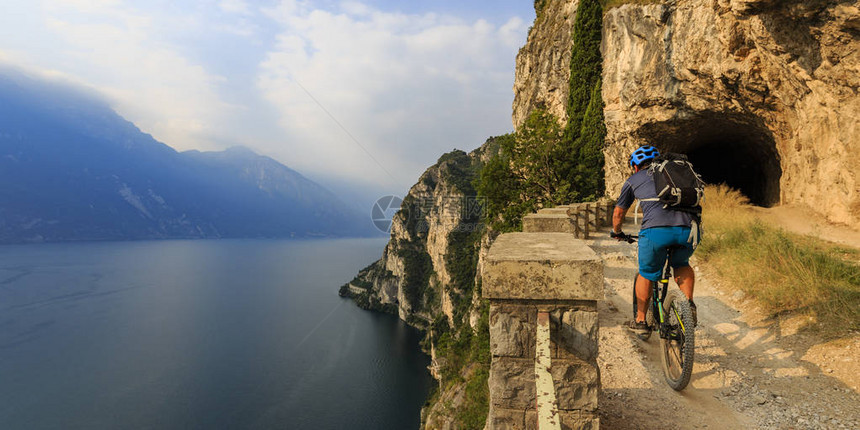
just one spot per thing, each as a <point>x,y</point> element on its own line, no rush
<point>586,132</point>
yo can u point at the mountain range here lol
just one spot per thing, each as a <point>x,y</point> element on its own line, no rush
<point>73,169</point>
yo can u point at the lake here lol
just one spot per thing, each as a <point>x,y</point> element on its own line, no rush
<point>200,334</point>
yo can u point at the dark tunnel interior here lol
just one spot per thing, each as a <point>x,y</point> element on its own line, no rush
<point>737,151</point>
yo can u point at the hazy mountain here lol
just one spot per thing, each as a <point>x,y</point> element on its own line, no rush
<point>72,169</point>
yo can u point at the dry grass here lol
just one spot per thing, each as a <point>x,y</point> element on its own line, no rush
<point>785,272</point>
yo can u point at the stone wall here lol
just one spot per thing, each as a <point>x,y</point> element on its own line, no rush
<point>526,277</point>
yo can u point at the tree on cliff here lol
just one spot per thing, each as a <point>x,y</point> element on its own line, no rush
<point>586,132</point>
<point>528,172</point>
<point>544,164</point>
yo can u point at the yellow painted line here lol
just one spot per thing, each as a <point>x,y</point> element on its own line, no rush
<point>547,404</point>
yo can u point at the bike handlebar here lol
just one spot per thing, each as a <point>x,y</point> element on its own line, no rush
<point>629,238</point>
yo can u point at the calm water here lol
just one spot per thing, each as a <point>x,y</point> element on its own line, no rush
<point>200,334</point>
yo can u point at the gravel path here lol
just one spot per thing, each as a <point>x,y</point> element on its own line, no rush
<point>750,371</point>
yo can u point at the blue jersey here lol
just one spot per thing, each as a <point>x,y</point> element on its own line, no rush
<point>641,186</point>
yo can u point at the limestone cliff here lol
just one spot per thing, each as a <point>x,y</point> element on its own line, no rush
<point>543,63</point>
<point>760,94</point>
<point>414,277</point>
<point>428,276</point>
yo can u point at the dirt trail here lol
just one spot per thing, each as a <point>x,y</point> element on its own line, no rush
<point>802,220</point>
<point>750,372</point>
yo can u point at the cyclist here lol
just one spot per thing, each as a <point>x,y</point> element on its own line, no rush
<point>660,229</point>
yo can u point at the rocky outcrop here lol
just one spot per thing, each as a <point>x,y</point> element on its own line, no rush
<point>413,276</point>
<point>760,94</point>
<point>543,63</point>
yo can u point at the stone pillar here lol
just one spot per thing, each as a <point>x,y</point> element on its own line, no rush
<point>558,276</point>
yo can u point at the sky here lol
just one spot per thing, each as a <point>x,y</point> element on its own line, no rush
<point>361,96</point>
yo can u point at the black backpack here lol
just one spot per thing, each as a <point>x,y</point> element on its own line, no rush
<point>678,186</point>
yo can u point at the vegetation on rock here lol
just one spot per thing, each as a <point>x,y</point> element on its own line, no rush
<point>585,133</point>
<point>608,4</point>
<point>544,164</point>
<point>528,173</point>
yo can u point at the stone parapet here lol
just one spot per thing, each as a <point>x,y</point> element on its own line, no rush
<point>540,279</point>
<point>555,210</point>
<point>542,266</point>
<point>548,222</point>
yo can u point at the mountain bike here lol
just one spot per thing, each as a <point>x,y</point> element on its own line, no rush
<point>669,313</point>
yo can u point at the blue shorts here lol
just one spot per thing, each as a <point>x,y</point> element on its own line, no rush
<point>653,243</point>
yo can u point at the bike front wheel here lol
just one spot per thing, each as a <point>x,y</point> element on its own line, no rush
<point>678,342</point>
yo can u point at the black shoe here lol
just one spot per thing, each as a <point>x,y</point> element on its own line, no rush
<point>695,314</point>
<point>641,328</point>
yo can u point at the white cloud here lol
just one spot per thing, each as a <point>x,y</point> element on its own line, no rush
<point>407,87</point>
<point>149,80</point>
<point>235,6</point>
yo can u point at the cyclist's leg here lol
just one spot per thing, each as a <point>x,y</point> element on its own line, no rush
<point>651,258</point>
<point>685,277</point>
<point>643,292</point>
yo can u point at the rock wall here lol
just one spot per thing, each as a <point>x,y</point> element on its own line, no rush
<point>762,94</point>
<point>543,63</point>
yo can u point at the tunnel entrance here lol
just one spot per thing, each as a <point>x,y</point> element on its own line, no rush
<point>736,150</point>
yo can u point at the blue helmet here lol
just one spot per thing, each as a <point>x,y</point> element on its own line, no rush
<point>643,153</point>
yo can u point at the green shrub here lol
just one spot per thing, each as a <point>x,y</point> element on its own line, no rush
<point>473,413</point>
<point>418,267</point>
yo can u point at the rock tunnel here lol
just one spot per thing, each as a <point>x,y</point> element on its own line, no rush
<point>735,150</point>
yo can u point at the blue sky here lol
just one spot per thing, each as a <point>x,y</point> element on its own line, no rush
<point>359,95</point>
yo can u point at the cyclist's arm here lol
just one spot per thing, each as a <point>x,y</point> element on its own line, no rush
<point>618,218</point>
<point>625,199</point>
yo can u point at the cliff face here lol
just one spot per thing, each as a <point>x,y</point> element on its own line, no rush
<point>760,94</point>
<point>428,275</point>
<point>543,63</point>
<point>437,218</point>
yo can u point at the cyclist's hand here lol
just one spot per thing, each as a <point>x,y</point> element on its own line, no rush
<point>618,236</point>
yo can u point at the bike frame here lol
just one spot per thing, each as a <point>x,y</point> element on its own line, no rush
<point>658,296</point>
<point>676,343</point>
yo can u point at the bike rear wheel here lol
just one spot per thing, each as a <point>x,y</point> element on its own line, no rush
<point>677,345</point>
